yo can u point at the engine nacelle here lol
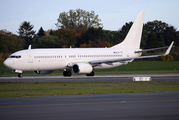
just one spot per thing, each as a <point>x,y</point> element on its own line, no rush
<point>82,68</point>
<point>43,72</point>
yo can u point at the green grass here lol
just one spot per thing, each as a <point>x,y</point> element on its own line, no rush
<point>142,67</point>
<point>26,89</point>
<point>136,67</point>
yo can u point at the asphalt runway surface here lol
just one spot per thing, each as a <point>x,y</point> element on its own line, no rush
<point>120,77</point>
<point>125,106</point>
<point>135,106</point>
<point>89,79</point>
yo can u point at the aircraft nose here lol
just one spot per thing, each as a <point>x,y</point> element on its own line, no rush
<point>7,63</point>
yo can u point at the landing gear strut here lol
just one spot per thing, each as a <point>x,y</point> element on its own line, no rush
<point>19,75</point>
<point>90,74</point>
<point>67,73</point>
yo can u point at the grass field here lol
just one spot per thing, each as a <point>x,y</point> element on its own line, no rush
<point>141,67</point>
<point>136,67</point>
<point>26,89</point>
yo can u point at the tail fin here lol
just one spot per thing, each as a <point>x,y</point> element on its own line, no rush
<point>133,38</point>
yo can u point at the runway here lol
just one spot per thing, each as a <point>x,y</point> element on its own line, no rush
<point>136,106</point>
<point>119,77</point>
<point>125,77</point>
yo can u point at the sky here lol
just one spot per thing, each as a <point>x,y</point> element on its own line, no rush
<point>113,13</point>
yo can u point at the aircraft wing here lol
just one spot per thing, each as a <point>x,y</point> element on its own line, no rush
<point>130,58</point>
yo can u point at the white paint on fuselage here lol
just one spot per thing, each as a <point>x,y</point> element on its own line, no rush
<point>58,59</point>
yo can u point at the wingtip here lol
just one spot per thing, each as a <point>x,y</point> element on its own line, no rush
<point>169,48</point>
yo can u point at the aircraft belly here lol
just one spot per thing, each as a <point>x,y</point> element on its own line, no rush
<point>108,65</point>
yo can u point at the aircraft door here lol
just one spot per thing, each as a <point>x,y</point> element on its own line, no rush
<point>30,58</point>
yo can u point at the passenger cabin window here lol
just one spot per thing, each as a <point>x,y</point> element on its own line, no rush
<point>60,56</point>
<point>15,56</point>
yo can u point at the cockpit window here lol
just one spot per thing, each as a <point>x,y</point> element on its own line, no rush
<point>12,56</point>
<point>18,56</point>
<point>15,56</point>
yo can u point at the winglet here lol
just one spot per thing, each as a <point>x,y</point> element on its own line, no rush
<point>29,47</point>
<point>168,50</point>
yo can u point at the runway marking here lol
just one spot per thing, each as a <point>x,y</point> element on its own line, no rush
<point>123,102</point>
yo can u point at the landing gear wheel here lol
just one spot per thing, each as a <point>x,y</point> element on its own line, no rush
<point>19,75</point>
<point>90,74</point>
<point>67,73</point>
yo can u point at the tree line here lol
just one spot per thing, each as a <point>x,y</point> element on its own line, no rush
<point>79,28</point>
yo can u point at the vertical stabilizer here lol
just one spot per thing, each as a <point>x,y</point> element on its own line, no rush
<point>133,38</point>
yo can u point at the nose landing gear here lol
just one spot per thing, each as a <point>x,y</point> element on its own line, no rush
<point>19,73</point>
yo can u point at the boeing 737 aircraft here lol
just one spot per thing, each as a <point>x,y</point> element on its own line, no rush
<point>82,60</point>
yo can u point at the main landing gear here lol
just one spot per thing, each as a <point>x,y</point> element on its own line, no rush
<point>90,74</point>
<point>20,75</point>
<point>67,73</point>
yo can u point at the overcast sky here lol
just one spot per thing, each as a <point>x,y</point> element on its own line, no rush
<point>113,13</point>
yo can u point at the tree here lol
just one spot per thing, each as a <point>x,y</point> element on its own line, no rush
<point>79,20</point>
<point>114,37</point>
<point>41,32</point>
<point>68,35</point>
<point>51,42</point>
<point>125,29</point>
<point>152,35</point>
<point>51,32</point>
<point>170,34</point>
<point>92,34</point>
<point>9,42</point>
<point>26,31</point>
<point>152,40</point>
<point>95,37</point>
<point>156,26</point>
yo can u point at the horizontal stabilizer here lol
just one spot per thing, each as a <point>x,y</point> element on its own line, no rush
<point>153,49</point>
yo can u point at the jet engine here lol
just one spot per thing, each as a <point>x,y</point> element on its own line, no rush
<point>43,72</point>
<point>82,68</point>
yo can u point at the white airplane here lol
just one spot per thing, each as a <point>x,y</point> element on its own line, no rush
<point>82,60</point>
